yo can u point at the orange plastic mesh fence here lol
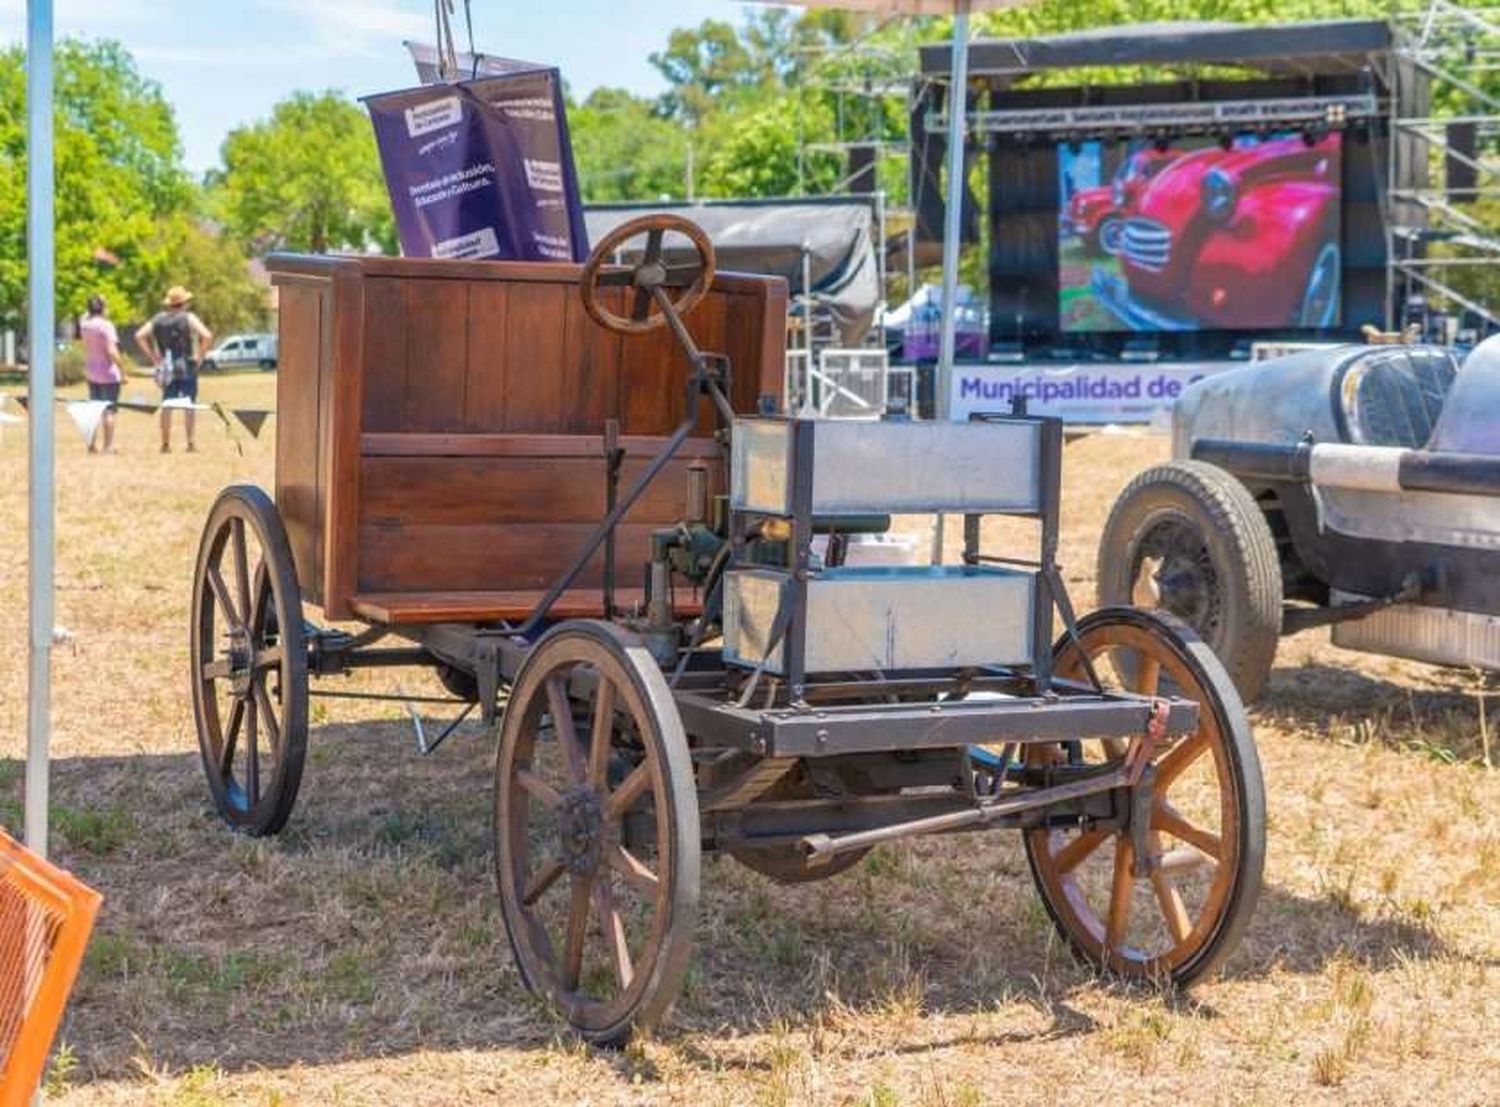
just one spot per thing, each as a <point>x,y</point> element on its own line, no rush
<point>45,919</point>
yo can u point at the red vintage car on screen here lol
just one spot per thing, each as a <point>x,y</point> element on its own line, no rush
<point>1096,215</point>
<point>1242,238</point>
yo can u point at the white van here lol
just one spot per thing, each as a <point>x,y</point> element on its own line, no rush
<point>241,351</point>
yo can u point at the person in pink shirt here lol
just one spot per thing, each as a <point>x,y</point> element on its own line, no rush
<point>102,366</point>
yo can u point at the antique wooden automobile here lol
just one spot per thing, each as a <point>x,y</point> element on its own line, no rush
<point>1355,487</point>
<point>533,480</point>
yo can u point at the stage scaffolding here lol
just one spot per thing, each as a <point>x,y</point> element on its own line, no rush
<point>1450,258</point>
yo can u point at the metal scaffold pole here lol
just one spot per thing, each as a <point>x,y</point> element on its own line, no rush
<point>958,105</point>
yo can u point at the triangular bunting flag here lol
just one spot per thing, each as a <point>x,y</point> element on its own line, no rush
<point>25,402</point>
<point>253,418</point>
<point>181,404</point>
<point>86,415</point>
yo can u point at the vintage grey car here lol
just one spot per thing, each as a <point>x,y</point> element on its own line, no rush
<point>1356,486</point>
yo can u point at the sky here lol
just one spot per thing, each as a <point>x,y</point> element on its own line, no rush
<point>226,62</point>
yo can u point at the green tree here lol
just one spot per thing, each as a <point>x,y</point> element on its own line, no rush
<point>308,178</point>
<point>625,151</point>
<point>119,176</point>
<point>705,65</point>
<point>195,253</point>
<point>765,152</point>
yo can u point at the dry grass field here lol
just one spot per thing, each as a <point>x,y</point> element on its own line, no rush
<point>359,958</point>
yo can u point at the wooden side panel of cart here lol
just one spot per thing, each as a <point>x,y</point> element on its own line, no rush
<point>440,447</point>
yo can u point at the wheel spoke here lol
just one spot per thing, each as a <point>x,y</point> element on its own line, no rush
<point>615,278</point>
<point>613,927</point>
<point>623,798</point>
<point>221,593</point>
<point>1172,907</point>
<point>1168,818</point>
<point>1078,850</point>
<point>578,922</point>
<point>1148,675</point>
<point>268,658</point>
<point>231,736</point>
<point>1185,860</point>
<point>538,789</point>
<point>562,726</point>
<point>252,754</point>
<point>600,738</point>
<point>241,562</point>
<point>1119,895</point>
<point>633,870</point>
<point>641,307</point>
<point>543,879</point>
<point>216,670</point>
<point>268,715</point>
<point>1179,759</point>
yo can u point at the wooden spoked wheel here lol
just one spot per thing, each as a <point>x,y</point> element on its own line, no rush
<point>1173,916</point>
<point>597,837</point>
<point>650,279</point>
<point>789,864</point>
<point>249,662</point>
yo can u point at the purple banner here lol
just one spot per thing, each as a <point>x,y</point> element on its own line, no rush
<point>482,169</point>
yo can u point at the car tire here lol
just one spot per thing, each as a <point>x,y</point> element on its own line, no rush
<point>209,366</point>
<point>267,364</point>
<point>1111,236</point>
<point>1216,564</point>
<point>1321,292</point>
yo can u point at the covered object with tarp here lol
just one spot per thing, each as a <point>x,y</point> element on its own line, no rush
<point>826,243</point>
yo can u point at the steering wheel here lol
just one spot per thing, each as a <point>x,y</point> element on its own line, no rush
<point>651,278</point>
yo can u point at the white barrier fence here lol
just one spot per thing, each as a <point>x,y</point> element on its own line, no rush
<point>846,384</point>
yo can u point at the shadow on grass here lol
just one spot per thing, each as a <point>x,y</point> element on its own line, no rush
<point>370,927</point>
<point>1344,702</point>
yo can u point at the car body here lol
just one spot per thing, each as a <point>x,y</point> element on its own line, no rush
<point>242,351</point>
<point>1094,214</point>
<point>1369,500</point>
<point>1243,238</point>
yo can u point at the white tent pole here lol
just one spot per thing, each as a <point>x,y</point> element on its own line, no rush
<point>958,105</point>
<point>953,221</point>
<point>42,544</point>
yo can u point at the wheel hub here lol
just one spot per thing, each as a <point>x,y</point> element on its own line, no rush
<point>580,826</point>
<point>241,660</point>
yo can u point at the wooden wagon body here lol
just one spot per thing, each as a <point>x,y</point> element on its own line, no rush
<point>440,451</point>
<point>568,492</point>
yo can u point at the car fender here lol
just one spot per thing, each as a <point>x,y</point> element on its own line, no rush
<point>1262,258</point>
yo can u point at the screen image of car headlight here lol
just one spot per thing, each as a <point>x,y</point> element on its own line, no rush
<point>1219,196</point>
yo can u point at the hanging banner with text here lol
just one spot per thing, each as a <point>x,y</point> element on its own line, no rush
<point>1116,393</point>
<point>482,169</point>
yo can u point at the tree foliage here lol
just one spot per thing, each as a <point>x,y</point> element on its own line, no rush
<point>308,178</point>
<point>118,175</point>
<point>625,150</point>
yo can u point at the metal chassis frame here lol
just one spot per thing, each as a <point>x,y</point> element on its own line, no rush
<point>833,716</point>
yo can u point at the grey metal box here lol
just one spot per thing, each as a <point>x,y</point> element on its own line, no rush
<point>896,467</point>
<point>886,618</point>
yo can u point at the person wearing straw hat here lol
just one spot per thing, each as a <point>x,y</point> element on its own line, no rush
<point>175,340</point>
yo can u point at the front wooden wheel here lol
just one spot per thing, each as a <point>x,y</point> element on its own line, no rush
<point>1175,917</point>
<point>249,662</point>
<point>597,837</point>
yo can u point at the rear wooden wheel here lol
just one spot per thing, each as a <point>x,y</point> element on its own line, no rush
<point>1178,916</point>
<point>596,831</point>
<point>249,662</point>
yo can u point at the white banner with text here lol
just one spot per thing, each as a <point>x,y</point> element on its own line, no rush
<point>1113,393</point>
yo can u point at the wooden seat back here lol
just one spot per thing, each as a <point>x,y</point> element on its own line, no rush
<point>441,424</point>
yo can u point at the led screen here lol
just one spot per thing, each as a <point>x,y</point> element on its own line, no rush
<point>1189,235</point>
